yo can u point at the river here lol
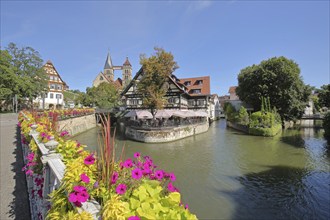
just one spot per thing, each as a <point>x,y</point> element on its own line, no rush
<point>224,174</point>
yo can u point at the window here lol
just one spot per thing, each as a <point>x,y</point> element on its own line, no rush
<point>59,87</point>
<point>134,101</point>
<point>199,82</point>
<point>101,77</point>
<point>171,100</point>
<point>191,102</point>
<point>51,95</point>
<point>187,83</point>
<point>195,91</point>
<point>58,96</point>
<point>52,86</point>
<point>51,77</point>
<point>200,102</point>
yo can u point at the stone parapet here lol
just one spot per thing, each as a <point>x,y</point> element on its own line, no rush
<point>165,134</point>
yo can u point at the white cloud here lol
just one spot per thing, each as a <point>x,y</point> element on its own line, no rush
<point>199,5</point>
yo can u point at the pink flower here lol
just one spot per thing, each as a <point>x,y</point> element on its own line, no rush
<point>79,189</point>
<point>39,181</point>
<point>29,172</point>
<point>172,177</point>
<point>30,156</point>
<point>43,134</point>
<point>79,195</point>
<point>133,218</point>
<point>82,196</point>
<point>171,188</point>
<point>19,124</point>
<point>73,197</point>
<point>78,144</point>
<point>96,184</point>
<point>159,174</point>
<point>128,163</point>
<point>114,177</point>
<point>89,159</point>
<point>186,206</point>
<point>136,174</point>
<point>84,178</point>
<point>63,133</point>
<point>137,155</point>
<point>121,189</point>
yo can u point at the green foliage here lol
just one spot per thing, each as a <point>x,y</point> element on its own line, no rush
<point>279,79</point>
<point>156,69</point>
<point>262,120</point>
<point>267,132</point>
<point>24,73</point>
<point>230,112</point>
<point>104,95</point>
<point>243,116</point>
<point>9,80</point>
<point>148,201</point>
<point>326,126</point>
<point>324,96</point>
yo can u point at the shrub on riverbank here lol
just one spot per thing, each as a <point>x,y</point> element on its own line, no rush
<point>326,126</point>
<point>267,132</point>
<point>133,189</point>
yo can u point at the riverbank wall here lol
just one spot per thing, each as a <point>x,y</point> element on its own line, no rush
<point>164,134</point>
<point>78,124</point>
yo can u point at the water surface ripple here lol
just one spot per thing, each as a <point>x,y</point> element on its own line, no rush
<point>224,174</point>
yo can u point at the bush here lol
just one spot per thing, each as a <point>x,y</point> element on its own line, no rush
<point>267,132</point>
<point>262,120</point>
<point>230,112</point>
<point>243,116</point>
<point>326,126</point>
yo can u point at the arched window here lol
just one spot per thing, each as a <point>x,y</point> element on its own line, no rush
<point>101,77</point>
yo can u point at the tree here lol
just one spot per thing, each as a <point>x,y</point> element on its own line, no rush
<point>279,79</point>
<point>156,69</point>
<point>105,95</point>
<point>26,65</point>
<point>324,96</point>
<point>9,81</point>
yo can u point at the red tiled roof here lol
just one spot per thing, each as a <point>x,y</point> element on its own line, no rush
<point>127,63</point>
<point>204,86</point>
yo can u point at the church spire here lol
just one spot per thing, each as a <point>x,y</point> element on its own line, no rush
<point>108,62</point>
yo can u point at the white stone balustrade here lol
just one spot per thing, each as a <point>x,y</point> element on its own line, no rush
<point>53,172</point>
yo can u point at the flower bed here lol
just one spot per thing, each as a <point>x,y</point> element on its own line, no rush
<point>132,189</point>
<point>62,114</point>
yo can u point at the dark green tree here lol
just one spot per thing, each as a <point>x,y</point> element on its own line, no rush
<point>9,81</point>
<point>26,64</point>
<point>105,95</point>
<point>156,69</point>
<point>324,96</point>
<point>279,79</point>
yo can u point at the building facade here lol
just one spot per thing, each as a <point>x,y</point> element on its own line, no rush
<point>180,95</point>
<point>108,74</point>
<point>54,98</point>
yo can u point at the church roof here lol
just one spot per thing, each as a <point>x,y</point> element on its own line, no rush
<point>108,62</point>
<point>127,63</point>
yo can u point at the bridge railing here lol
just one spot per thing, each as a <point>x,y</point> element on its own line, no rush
<point>41,185</point>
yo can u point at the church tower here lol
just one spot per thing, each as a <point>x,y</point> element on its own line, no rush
<point>108,68</point>
<point>127,73</point>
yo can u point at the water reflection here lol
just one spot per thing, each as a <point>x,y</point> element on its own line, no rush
<point>224,174</point>
<point>282,192</point>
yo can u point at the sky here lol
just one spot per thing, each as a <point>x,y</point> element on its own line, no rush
<point>207,38</point>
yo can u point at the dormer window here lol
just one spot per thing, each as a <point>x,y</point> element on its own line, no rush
<point>195,91</point>
<point>199,82</point>
<point>187,83</point>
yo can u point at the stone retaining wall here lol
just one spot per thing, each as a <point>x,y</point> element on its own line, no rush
<point>78,124</point>
<point>165,135</point>
<point>238,127</point>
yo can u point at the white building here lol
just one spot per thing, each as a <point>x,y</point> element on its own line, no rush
<point>54,97</point>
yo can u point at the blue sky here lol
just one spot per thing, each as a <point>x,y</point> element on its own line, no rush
<point>215,38</point>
